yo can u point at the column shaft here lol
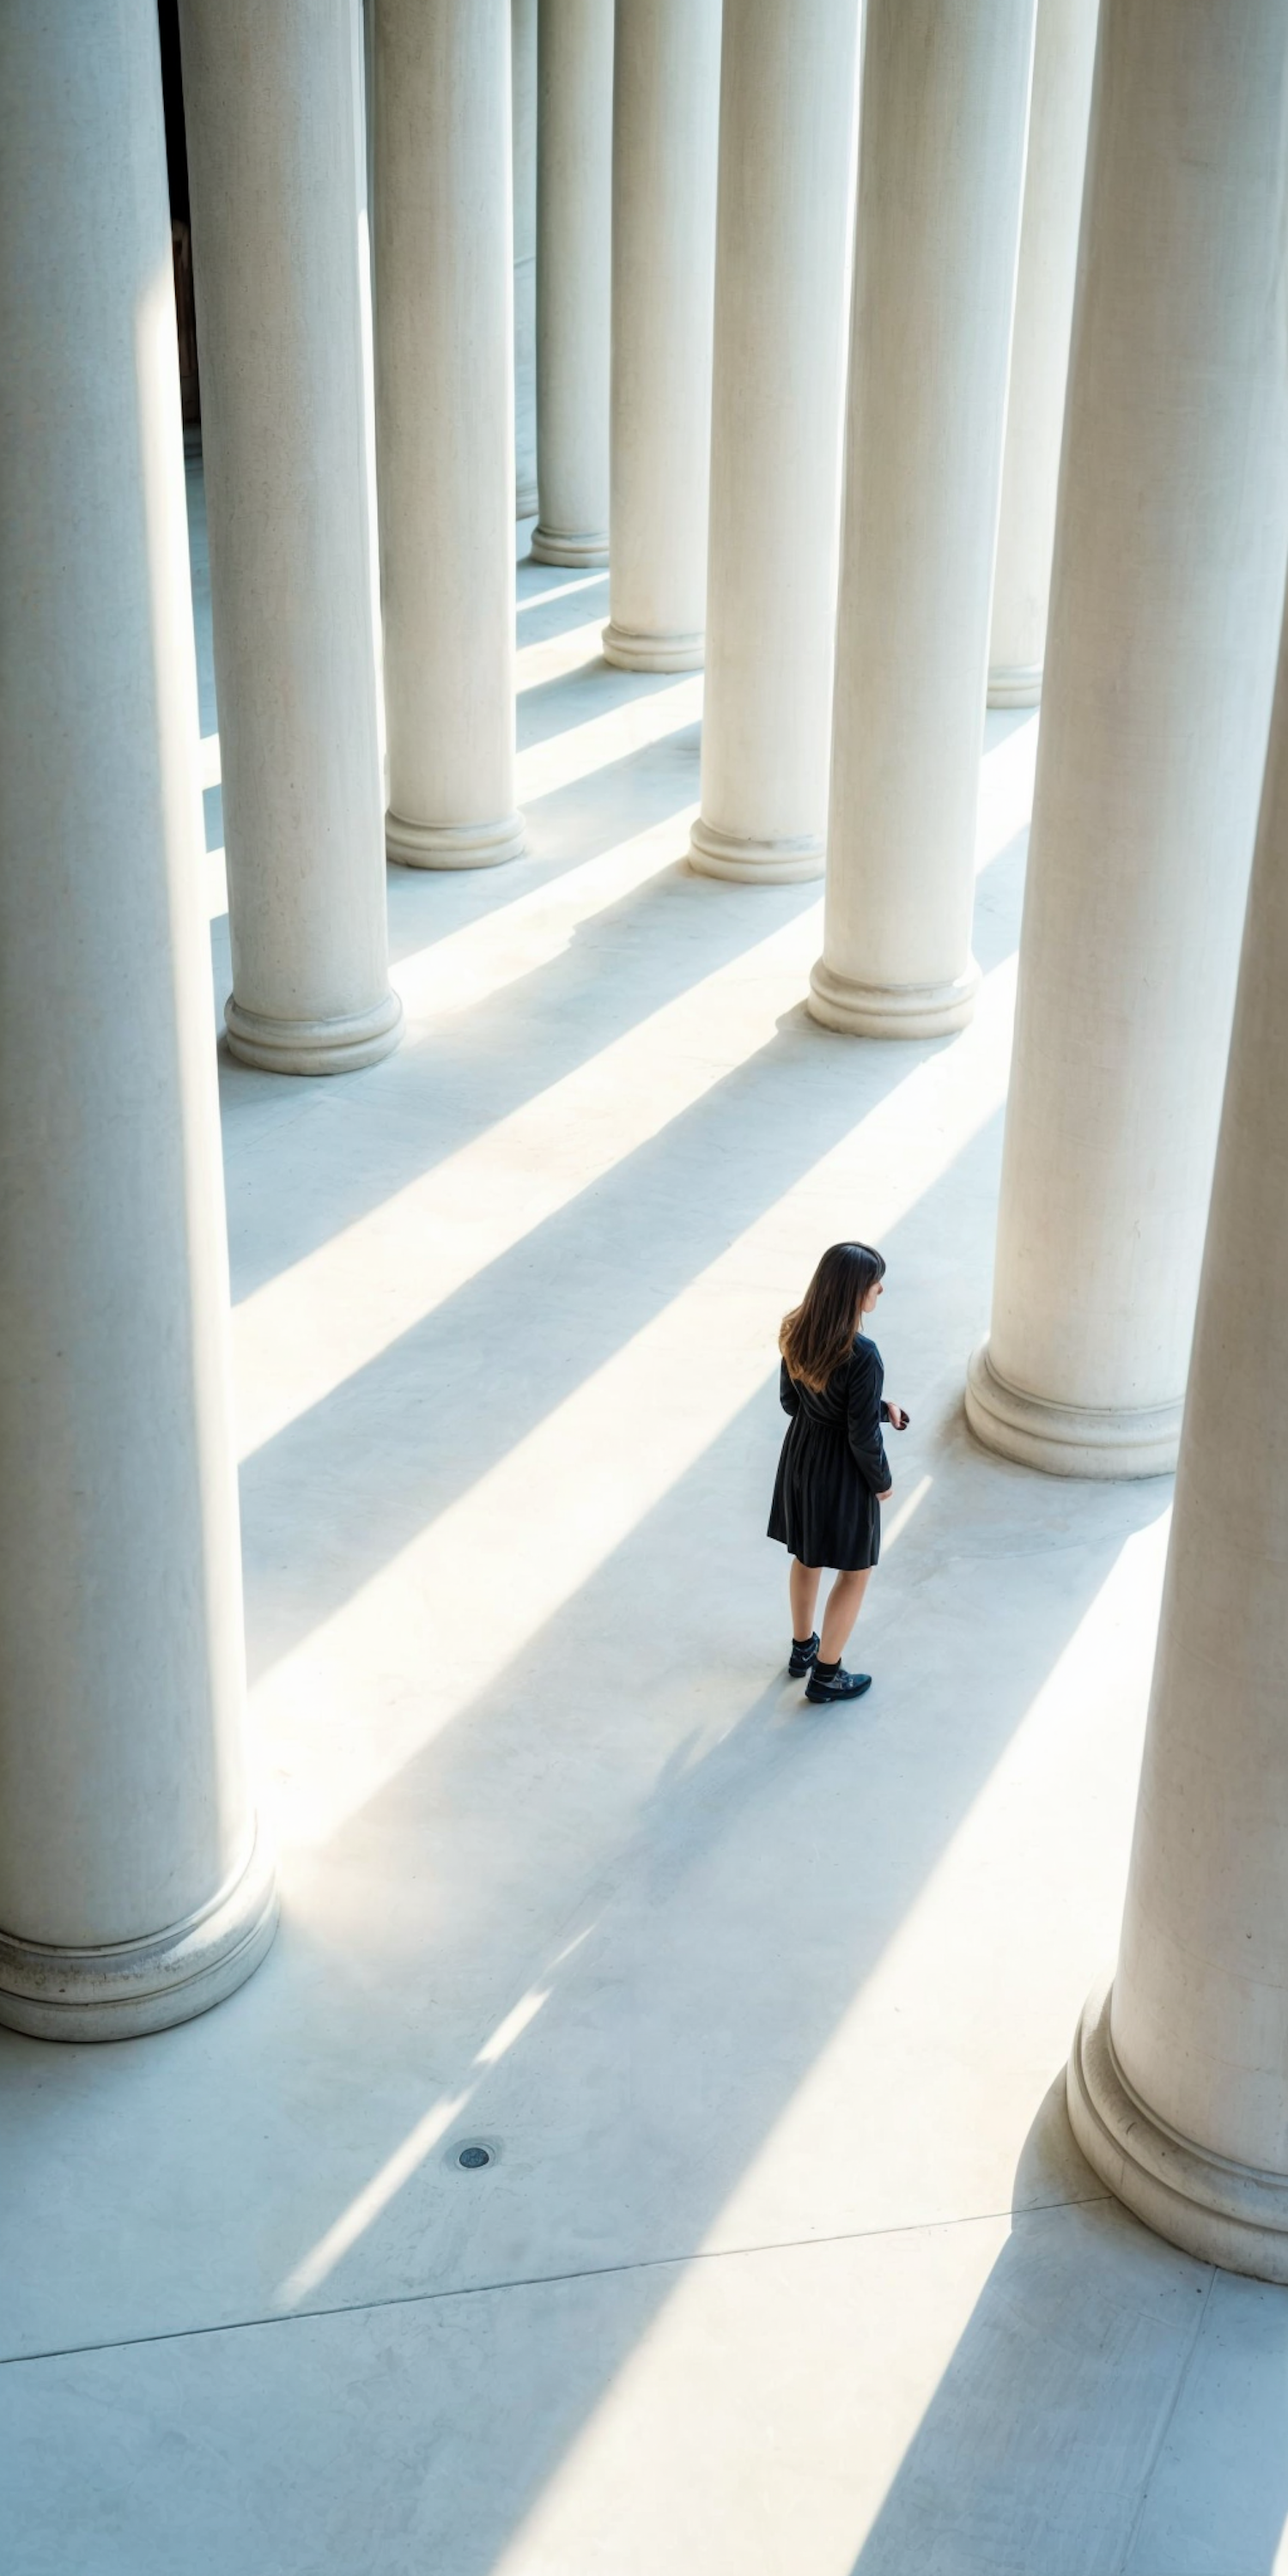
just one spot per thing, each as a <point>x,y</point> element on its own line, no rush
<point>666,104</point>
<point>1178,2087</point>
<point>523,96</point>
<point>787,102</point>
<point>133,1890</point>
<point>445,428</point>
<point>574,278</point>
<point>1169,569</point>
<point>272,119</point>
<point>941,171</point>
<point>1063,60</point>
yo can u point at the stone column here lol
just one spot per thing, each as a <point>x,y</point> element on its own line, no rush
<point>134,1891</point>
<point>1063,60</point>
<point>445,428</point>
<point>523,96</point>
<point>574,278</point>
<point>787,105</point>
<point>666,106</point>
<point>941,175</point>
<point>1171,538</point>
<point>1178,2086</point>
<point>272,121</point>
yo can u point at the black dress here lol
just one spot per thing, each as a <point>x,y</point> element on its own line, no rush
<point>833,1465</point>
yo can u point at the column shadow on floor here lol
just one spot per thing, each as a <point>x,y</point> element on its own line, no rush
<point>332,1497</point>
<point>701,1927</point>
<point>1077,2402</point>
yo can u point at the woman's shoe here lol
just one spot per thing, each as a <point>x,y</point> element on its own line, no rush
<point>802,1656</point>
<point>835,1683</point>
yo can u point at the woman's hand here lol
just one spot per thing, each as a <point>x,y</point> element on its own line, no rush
<point>885,1497</point>
<point>897,1418</point>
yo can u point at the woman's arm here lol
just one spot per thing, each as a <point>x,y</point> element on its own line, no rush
<point>863,1421</point>
<point>788,1395</point>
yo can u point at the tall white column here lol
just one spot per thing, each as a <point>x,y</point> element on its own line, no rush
<point>574,278</point>
<point>523,96</point>
<point>1178,2086</point>
<point>1063,60</point>
<point>133,1889</point>
<point>445,428</point>
<point>787,109</point>
<point>272,126</point>
<point>666,108</point>
<point>1171,539</point>
<point>941,174</point>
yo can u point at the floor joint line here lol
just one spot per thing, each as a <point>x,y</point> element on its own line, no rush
<point>546,2280</point>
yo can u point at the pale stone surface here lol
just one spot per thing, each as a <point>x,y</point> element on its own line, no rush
<point>523,96</point>
<point>765,2016</point>
<point>1183,2102</point>
<point>787,117</point>
<point>133,1891</point>
<point>936,233</point>
<point>574,278</point>
<point>666,103</point>
<point>1166,598</point>
<point>445,427</point>
<point>273,128</point>
<point>1064,56</point>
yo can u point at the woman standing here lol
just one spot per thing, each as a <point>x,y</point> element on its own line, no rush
<point>833,1475</point>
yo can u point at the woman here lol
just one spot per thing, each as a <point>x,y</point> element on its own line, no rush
<point>833,1475</point>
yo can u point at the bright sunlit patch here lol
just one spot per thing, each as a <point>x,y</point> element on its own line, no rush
<point>911,2113</point>
<point>562,590</point>
<point>513,2026</point>
<point>1005,789</point>
<point>1036,1846</point>
<point>428,2133</point>
<point>899,1519</point>
<point>309,1328</point>
<point>602,1459</point>
<point>552,657</point>
<point>214,878</point>
<point>585,748</point>
<point>520,937</point>
<point>376,2195</point>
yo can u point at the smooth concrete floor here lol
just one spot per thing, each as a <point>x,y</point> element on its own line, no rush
<point>785,2263</point>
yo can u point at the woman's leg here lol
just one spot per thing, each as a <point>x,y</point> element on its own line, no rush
<point>802,1584</point>
<point>844,1602</point>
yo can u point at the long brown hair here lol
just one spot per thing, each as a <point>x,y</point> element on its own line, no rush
<point>819,1333</point>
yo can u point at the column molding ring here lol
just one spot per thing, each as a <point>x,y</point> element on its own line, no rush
<point>1068,1439</point>
<point>1214,2209</point>
<point>124,1989</point>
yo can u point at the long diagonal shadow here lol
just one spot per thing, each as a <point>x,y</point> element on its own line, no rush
<point>1041,2443</point>
<point>699,1971</point>
<point>318,1171</point>
<point>674,1946</point>
<point>497,1355</point>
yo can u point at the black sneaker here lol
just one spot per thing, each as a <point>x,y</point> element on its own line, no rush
<point>836,1683</point>
<point>802,1656</point>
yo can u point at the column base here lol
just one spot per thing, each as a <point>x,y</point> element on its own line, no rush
<point>891,1010</point>
<point>469,845</point>
<point>1068,1439</point>
<point>550,546</point>
<point>313,1046</point>
<point>723,854</point>
<point>525,501</point>
<point>128,1988</point>
<point>633,652</point>
<point>1015,685</point>
<point>1220,2212</point>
